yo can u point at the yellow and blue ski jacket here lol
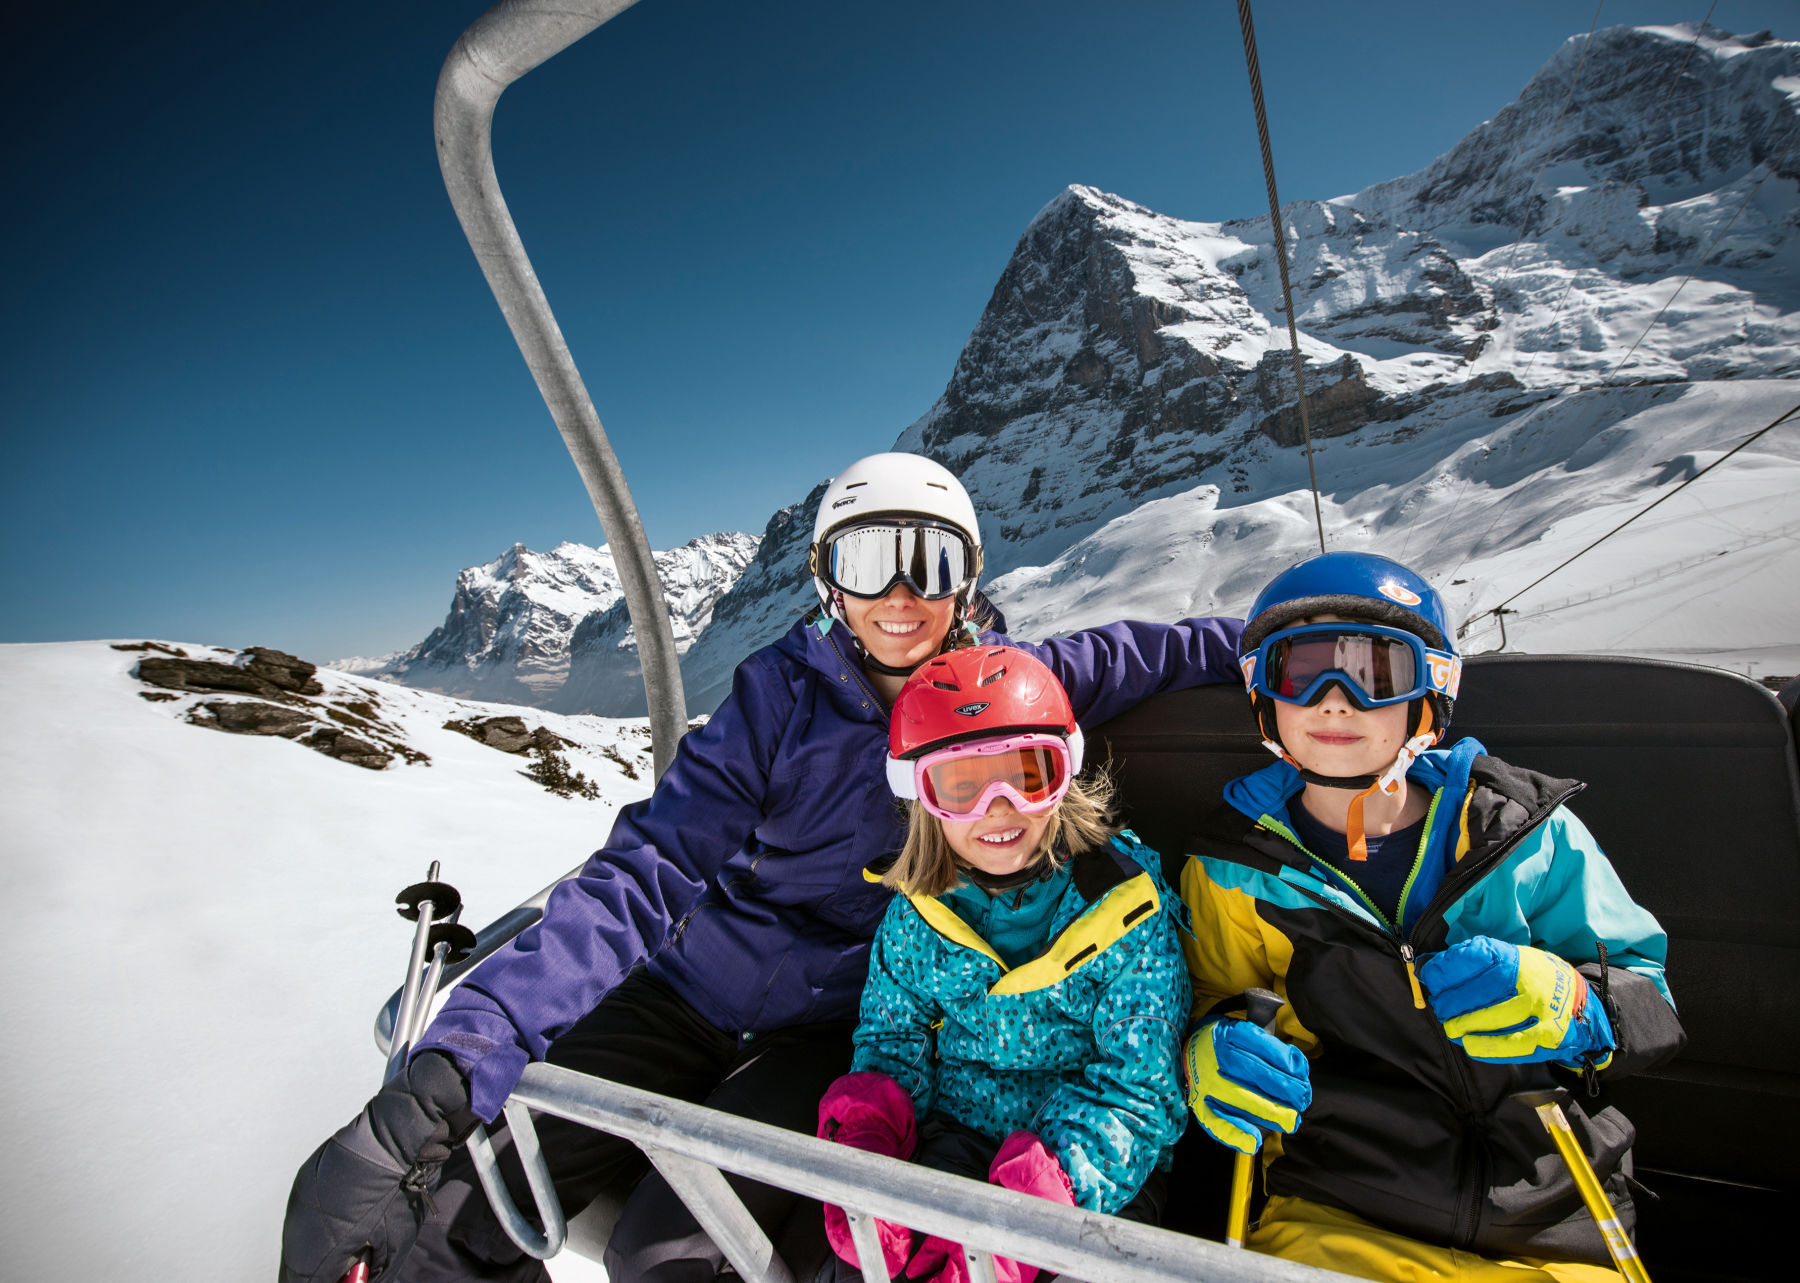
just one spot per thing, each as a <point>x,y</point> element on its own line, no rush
<point>1406,1130</point>
<point>1080,1042</point>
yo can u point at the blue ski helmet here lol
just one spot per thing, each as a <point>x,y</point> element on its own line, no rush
<point>1359,586</point>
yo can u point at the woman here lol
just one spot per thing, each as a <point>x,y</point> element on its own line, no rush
<point>716,947</point>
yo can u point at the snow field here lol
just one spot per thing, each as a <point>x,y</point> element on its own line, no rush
<point>1709,576</point>
<point>202,932</point>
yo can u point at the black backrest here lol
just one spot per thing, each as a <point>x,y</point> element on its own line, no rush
<point>1693,793</point>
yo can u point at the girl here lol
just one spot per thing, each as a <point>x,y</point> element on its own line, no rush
<point>714,948</point>
<point>1026,993</point>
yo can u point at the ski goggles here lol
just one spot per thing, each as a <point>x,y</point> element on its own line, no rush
<point>1375,666</point>
<point>959,782</point>
<point>868,560</point>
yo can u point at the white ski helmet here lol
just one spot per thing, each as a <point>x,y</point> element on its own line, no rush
<point>898,486</point>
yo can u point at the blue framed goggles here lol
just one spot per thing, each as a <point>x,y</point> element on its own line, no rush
<point>1375,666</point>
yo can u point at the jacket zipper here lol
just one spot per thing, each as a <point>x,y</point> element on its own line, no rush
<point>1469,1213</point>
<point>875,700</point>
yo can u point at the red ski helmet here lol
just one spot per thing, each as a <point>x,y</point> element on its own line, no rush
<point>977,693</point>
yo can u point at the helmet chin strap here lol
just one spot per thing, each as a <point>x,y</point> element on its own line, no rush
<point>888,670</point>
<point>835,608</point>
<point>1389,782</point>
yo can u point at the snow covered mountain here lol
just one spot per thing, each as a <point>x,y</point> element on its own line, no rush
<point>1475,337</point>
<point>551,629</point>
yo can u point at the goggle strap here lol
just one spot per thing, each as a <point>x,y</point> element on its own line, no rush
<point>901,779</point>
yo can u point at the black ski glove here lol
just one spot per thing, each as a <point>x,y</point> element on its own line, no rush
<point>368,1188</point>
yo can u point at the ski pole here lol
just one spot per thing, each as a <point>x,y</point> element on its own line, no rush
<point>1260,1008</point>
<point>1549,1112</point>
<point>424,903</point>
<point>450,942</point>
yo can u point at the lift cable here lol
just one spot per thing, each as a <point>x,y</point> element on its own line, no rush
<point>1662,99</point>
<point>1700,259</point>
<point>1499,610</point>
<point>1513,250</point>
<point>1569,97</point>
<point>1287,292</point>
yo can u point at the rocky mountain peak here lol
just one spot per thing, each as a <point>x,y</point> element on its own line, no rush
<point>1664,113</point>
<point>515,623</point>
<point>1126,357</point>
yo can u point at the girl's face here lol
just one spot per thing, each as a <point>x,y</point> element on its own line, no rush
<point>901,629</point>
<point>1001,842</point>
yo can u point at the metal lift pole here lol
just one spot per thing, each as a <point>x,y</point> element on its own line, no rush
<point>499,47</point>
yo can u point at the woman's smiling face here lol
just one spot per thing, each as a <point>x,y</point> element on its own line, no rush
<point>901,629</point>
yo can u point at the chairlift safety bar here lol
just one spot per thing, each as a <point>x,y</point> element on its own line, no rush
<point>691,1145</point>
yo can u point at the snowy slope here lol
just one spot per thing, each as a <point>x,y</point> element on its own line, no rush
<point>1131,367</point>
<point>1708,576</point>
<point>201,931</point>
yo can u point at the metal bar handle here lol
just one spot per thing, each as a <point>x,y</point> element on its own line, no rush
<point>985,1218</point>
<point>722,1214</point>
<point>499,47</point>
<point>541,1246</point>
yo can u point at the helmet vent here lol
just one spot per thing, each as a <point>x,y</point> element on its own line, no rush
<point>991,678</point>
<point>938,485</point>
<point>856,485</point>
<point>946,686</point>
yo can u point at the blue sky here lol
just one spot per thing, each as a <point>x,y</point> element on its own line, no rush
<point>254,390</point>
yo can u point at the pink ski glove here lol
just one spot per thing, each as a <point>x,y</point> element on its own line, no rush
<point>1025,1165</point>
<point>870,1112</point>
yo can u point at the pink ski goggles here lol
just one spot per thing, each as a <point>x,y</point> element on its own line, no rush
<point>960,781</point>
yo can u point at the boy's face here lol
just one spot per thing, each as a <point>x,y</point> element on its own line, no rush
<point>1334,737</point>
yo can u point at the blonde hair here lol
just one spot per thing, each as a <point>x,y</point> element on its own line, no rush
<point>1081,821</point>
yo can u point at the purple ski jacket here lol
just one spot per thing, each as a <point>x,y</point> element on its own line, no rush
<point>740,879</point>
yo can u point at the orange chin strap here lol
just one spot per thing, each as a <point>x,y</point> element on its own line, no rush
<point>1390,781</point>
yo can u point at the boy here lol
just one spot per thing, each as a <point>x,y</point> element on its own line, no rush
<point>1445,934</point>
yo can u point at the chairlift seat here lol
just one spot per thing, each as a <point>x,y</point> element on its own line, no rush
<point>1693,793</point>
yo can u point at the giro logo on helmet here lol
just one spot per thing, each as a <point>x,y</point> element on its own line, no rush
<point>971,710</point>
<point>1395,592</point>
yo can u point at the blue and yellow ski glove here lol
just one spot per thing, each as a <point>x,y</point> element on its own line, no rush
<point>1242,1080</point>
<point>1514,1005</point>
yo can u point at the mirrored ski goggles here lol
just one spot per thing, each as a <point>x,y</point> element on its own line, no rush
<point>1376,666</point>
<point>867,561</point>
<point>1032,771</point>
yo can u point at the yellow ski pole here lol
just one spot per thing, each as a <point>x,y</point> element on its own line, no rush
<point>1549,1112</point>
<point>1261,1007</point>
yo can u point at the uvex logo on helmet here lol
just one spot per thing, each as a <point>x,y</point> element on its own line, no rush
<point>1397,592</point>
<point>972,710</point>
